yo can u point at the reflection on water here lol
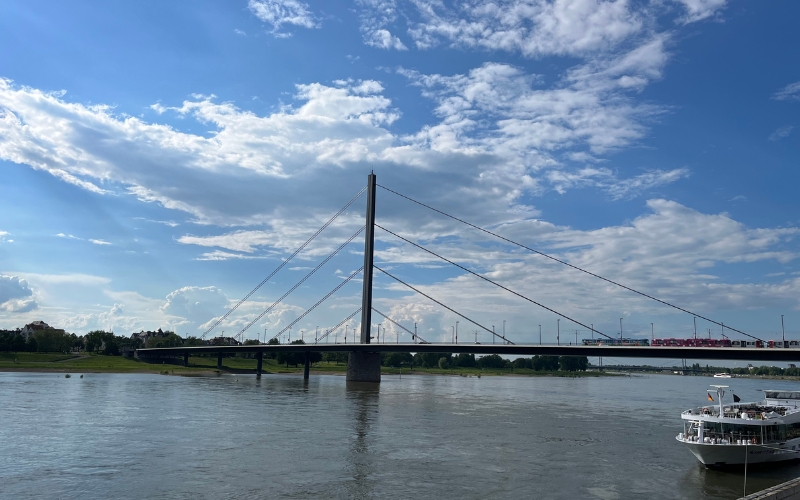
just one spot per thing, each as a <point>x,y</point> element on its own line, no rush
<point>151,436</point>
<point>363,399</point>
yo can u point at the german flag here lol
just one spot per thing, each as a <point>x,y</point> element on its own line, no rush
<point>709,397</point>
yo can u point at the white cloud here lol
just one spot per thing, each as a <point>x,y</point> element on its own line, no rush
<point>672,252</point>
<point>282,12</point>
<point>606,179</point>
<point>376,16</point>
<point>789,92</point>
<point>382,39</point>
<point>15,295</point>
<point>781,133</point>
<point>99,242</point>
<point>239,32</point>
<point>532,27</point>
<point>697,10</point>
<point>4,237</point>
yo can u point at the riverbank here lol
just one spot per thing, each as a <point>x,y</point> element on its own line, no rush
<point>198,366</point>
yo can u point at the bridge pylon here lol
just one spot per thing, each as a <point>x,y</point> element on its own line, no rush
<point>366,366</point>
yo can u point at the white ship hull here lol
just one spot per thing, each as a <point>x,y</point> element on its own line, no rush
<point>721,455</point>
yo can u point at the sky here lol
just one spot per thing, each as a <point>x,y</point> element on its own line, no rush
<point>158,160</point>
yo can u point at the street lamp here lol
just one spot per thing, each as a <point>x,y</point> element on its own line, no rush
<point>558,331</point>
<point>540,334</point>
<point>453,332</point>
<point>457,331</point>
<point>504,331</point>
<point>620,330</point>
<point>493,334</point>
<point>652,333</point>
<point>783,332</point>
<point>694,318</point>
<point>316,334</point>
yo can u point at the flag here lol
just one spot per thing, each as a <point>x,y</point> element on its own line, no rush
<point>709,397</point>
<point>736,398</point>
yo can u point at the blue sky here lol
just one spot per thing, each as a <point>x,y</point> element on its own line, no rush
<point>159,159</point>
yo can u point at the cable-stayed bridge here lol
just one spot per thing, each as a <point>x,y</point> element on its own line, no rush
<point>364,359</point>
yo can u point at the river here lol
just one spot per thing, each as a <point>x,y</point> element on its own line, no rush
<point>154,436</point>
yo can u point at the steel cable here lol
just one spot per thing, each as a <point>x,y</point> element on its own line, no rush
<point>329,257</point>
<point>323,299</point>
<point>286,261</point>
<point>492,282</point>
<point>567,263</point>
<point>446,307</point>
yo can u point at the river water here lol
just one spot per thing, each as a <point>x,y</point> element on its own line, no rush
<point>154,436</point>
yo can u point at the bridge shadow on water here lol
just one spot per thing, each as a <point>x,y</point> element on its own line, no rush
<point>364,403</point>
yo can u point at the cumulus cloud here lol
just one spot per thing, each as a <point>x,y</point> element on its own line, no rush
<point>4,237</point>
<point>282,12</point>
<point>673,252</point>
<point>15,295</point>
<point>789,92</point>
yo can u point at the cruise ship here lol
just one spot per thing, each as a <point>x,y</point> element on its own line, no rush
<point>737,433</point>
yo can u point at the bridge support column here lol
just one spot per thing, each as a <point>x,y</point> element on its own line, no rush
<point>307,367</point>
<point>219,361</point>
<point>364,367</point>
<point>186,359</point>
<point>260,361</point>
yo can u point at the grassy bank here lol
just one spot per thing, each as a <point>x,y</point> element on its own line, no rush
<point>93,363</point>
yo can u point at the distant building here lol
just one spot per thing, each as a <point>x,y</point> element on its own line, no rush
<point>144,336</point>
<point>31,328</point>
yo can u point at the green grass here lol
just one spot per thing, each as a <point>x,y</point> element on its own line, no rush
<point>88,363</point>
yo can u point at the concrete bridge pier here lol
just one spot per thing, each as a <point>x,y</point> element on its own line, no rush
<point>364,367</point>
<point>307,366</point>
<point>186,359</point>
<point>260,359</point>
<point>219,361</point>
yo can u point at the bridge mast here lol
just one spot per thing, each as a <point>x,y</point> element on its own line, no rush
<point>365,366</point>
<point>369,249</point>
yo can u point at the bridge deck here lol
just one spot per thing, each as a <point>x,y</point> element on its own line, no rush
<point>730,353</point>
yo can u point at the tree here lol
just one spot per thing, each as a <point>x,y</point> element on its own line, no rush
<point>18,343</point>
<point>170,340</point>
<point>546,363</point>
<point>193,342</point>
<point>273,341</point>
<point>491,361</point>
<point>443,364</point>
<point>431,359</point>
<point>112,348</point>
<point>33,345</point>
<point>573,363</point>
<point>292,358</point>
<point>396,358</point>
<point>521,363</point>
<point>464,360</point>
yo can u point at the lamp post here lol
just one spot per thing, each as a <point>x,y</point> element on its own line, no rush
<point>576,337</point>
<point>694,318</point>
<point>345,333</point>
<point>504,331</point>
<point>558,331</point>
<point>652,333</point>
<point>620,330</point>
<point>316,334</point>
<point>592,325</point>
<point>415,333</point>
<point>453,332</point>
<point>456,332</point>
<point>540,334</point>
<point>302,339</point>
<point>492,334</point>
